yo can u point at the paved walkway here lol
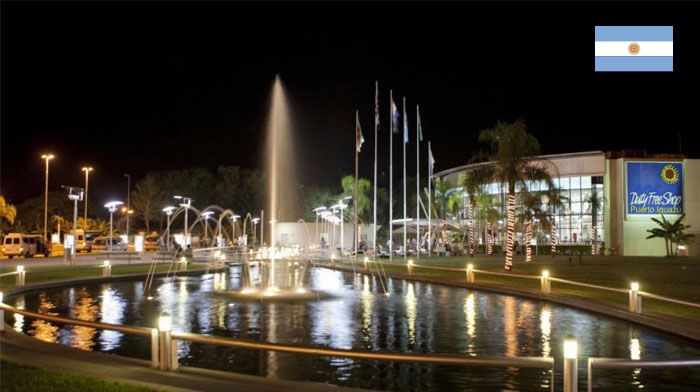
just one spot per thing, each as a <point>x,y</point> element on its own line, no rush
<point>80,259</point>
<point>23,350</point>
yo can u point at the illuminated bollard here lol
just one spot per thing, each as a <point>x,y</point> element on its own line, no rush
<point>545,284</point>
<point>635,298</point>
<point>164,346</point>
<point>19,277</point>
<point>470,273</point>
<point>366,260</point>
<point>155,352</point>
<point>409,267</point>
<point>570,364</point>
<point>106,269</point>
<point>183,264</point>
<point>333,261</point>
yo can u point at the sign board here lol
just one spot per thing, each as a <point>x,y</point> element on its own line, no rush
<point>138,243</point>
<point>654,188</point>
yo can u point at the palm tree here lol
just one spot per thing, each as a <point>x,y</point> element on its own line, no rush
<point>671,232</point>
<point>363,201</point>
<point>514,163</point>
<point>596,203</point>
<point>487,216</point>
<point>471,182</point>
<point>441,196</point>
<point>8,212</point>
<point>532,210</point>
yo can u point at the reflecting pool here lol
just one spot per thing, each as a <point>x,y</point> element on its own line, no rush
<point>356,314</point>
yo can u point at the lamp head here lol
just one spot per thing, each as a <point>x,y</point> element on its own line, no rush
<point>165,322</point>
<point>570,347</point>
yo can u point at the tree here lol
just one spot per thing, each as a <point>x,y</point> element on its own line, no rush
<point>471,182</point>
<point>596,203</point>
<point>147,200</point>
<point>363,201</point>
<point>515,163</point>
<point>441,196</point>
<point>8,213</point>
<point>671,232</point>
<point>487,217</point>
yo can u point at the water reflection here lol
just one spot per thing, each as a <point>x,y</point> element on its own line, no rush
<point>546,330</point>
<point>470,311</point>
<point>44,330</point>
<point>112,305</point>
<point>410,302</point>
<point>19,319</point>
<point>86,309</point>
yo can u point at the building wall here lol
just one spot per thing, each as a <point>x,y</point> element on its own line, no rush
<point>304,234</point>
<point>628,236</point>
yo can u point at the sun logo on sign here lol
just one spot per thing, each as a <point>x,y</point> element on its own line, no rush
<point>633,48</point>
<point>669,174</point>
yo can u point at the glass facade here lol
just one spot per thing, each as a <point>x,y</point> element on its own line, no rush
<point>574,222</point>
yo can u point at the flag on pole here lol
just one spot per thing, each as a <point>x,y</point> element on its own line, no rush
<point>431,161</point>
<point>405,124</point>
<point>394,117</point>
<point>376,105</point>
<point>419,126</point>
<point>634,48</point>
<point>359,139</point>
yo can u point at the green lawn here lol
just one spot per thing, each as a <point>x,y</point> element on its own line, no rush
<point>677,278</point>
<point>16,378</point>
<point>45,273</point>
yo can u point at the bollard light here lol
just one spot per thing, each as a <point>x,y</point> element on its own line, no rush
<point>470,267</point>
<point>165,322</point>
<point>634,286</point>
<point>635,298</point>
<point>1,297</point>
<point>545,285</point>
<point>470,273</point>
<point>20,268</point>
<point>570,347</point>
<point>106,263</point>
<point>545,274</point>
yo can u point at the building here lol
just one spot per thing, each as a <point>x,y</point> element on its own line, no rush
<point>633,188</point>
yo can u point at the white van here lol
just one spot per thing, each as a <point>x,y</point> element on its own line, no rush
<point>27,245</point>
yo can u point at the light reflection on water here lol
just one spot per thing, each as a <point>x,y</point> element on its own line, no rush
<point>417,317</point>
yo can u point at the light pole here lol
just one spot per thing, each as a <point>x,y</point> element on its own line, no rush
<point>74,194</point>
<point>318,211</point>
<point>169,212</point>
<point>186,203</point>
<point>255,229</point>
<point>206,215</point>
<point>235,219</point>
<point>87,170</point>
<point>112,207</point>
<point>128,207</point>
<point>47,158</point>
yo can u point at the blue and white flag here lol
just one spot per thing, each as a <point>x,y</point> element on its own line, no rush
<point>405,123</point>
<point>431,161</point>
<point>634,48</point>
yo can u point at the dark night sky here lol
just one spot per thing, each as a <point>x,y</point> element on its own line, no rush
<point>134,87</point>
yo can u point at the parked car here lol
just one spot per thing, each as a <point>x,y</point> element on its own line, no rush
<point>151,242</point>
<point>102,244</point>
<point>27,245</point>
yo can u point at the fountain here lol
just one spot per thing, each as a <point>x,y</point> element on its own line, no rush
<point>273,272</point>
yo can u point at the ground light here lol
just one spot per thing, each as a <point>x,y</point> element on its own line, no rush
<point>545,284</point>
<point>570,364</point>
<point>165,322</point>
<point>470,273</point>
<point>635,298</point>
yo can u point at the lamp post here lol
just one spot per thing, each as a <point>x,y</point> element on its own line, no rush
<point>74,194</point>
<point>169,212</point>
<point>128,207</point>
<point>87,170</point>
<point>186,203</point>
<point>255,228</point>
<point>206,215</point>
<point>112,208</point>
<point>47,158</point>
<point>235,218</point>
<point>318,211</point>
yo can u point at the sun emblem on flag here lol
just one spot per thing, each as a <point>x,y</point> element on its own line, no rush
<point>633,48</point>
<point>670,174</point>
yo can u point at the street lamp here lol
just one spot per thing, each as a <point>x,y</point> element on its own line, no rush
<point>74,194</point>
<point>47,158</point>
<point>255,228</point>
<point>87,170</point>
<point>169,212</point>
<point>318,211</point>
<point>206,215</point>
<point>186,203</point>
<point>112,208</point>
<point>235,219</point>
<point>128,207</point>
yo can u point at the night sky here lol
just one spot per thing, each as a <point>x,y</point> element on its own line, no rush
<point>136,87</point>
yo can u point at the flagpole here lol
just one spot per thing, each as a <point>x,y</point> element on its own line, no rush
<point>391,176</point>
<point>430,203</point>
<point>418,131</point>
<point>405,234</point>
<point>357,170</point>
<point>376,125</point>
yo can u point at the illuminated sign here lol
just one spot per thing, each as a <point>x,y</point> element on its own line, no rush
<point>654,188</point>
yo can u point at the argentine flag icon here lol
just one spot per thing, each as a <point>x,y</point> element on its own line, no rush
<point>634,48</point>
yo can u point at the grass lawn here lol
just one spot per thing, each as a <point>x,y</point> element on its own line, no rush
<point>45,273</point>
<point>17,378</point>
<point>677,278</point>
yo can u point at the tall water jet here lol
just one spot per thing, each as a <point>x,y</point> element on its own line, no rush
<point>280,165</point>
